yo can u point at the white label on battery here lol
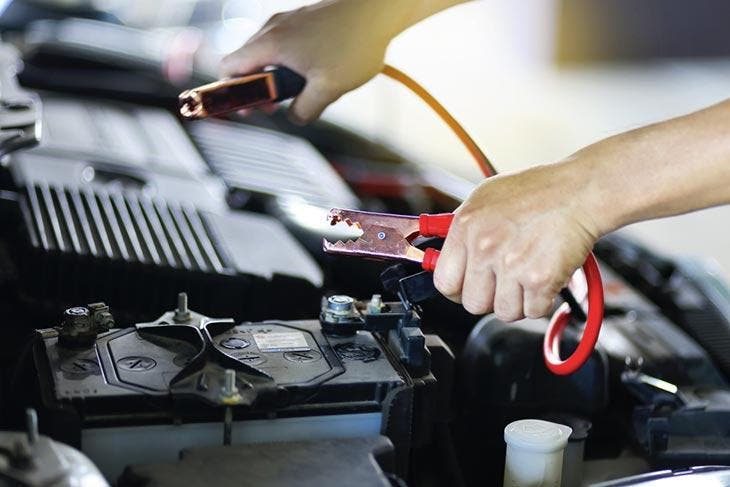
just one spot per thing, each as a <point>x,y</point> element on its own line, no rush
<point>289,341</point>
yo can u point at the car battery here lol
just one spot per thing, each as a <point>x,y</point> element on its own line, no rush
<point>143,393</point>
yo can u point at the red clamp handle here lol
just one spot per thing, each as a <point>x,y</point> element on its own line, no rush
<point>434,225</point>
<point>430,258</point>
<point>551,343</point>
<point>558,322</point>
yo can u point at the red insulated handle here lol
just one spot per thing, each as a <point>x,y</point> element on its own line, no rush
<point>438,226</point>
<point>430,258</point>
<point>434,225</point>
<point>551,343</point>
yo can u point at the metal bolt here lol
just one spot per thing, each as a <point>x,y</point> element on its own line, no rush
<point>340,304</point>
<point>381,235</point>
<point>182,302</point>
<point>229,383</point>
<point>31,425</point>
<point>182,313</point>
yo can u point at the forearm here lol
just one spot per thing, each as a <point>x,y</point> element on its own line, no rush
<point>661,170</point>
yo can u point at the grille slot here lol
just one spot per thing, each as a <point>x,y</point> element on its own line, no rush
<point>122,225</point>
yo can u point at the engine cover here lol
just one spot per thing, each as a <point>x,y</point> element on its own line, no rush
<point>116,198</point>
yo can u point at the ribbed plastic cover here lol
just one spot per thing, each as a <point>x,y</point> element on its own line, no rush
<point>268,162</point>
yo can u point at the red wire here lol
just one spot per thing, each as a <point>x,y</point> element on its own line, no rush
<point>551,344</point>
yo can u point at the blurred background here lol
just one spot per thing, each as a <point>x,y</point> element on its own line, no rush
<point>532,81</point>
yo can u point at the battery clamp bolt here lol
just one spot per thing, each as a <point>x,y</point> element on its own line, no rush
<point>182,313</point>
<point>229,391</point>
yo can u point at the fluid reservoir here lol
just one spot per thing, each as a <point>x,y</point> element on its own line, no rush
<point>534,453</point>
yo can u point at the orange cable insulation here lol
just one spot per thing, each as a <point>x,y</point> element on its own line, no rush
<point>482,160</point>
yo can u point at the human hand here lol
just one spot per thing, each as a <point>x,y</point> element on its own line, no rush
<point>516,241</point>
<point>337,46</point>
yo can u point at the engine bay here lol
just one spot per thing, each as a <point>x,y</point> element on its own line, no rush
<point>171,318</point>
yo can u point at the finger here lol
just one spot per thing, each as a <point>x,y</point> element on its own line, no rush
<point>537,304</point>
<point>538,287</point>
<point>508,298</point>
<point>247,59</point>
<point>477,294</point>
<point>311,102</point>
<point>449,274</point>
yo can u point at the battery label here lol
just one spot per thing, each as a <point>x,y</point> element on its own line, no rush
<point>290,341</point>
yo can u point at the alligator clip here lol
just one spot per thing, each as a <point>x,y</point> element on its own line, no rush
<point>386,236</point>
<point>229,95</point>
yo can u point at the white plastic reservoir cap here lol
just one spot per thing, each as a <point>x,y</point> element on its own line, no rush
<point>534,456</point>
<point>536,435</point>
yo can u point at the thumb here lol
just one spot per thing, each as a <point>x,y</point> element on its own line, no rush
<point>312,101</point>
<point>247,59</point>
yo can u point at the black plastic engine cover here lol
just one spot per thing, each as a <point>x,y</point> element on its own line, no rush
<point>117,202</point>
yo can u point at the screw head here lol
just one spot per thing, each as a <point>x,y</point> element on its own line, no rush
<point>381,235</point>
<point>234,343</point>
